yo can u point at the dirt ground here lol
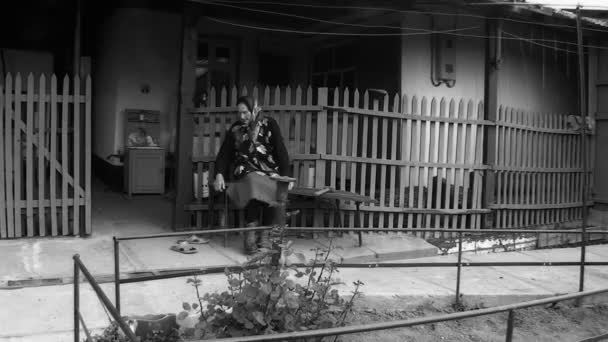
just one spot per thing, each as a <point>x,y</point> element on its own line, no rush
<point>559,323</point>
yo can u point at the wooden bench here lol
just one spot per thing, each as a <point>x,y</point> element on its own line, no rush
<point>299,197</point>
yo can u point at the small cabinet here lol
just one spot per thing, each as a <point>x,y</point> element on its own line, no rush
<point>145,171</point>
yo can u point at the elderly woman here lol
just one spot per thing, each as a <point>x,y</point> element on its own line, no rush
<point>252,152</point>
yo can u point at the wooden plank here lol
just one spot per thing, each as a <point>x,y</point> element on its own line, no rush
<point>545,206</point>
<point>298,125</point>
<point>425,149</point>
<point>29,157</point>
<point>384,155</point>
<point>543,160</point>
<point>374,155</point>
<point>433,158</point>
<point>321,143</point>
<point>393,169</point>
<point>403,176</point>
<point>415,175</point>
<point>469,158</point>
<point>345,139</point>
<point>17,161</point>
<point>517,162</point>
<point>87,157</point>
<point>53,157</point>
<point>77,166</point>
<point>364,151</point>
<point>41,159</point>
<point>354,153</point>
<point>524,178</point>
<point>479,151</point>
<point>461,159</point>
<point>334,146</point>
<point>65,228</point>
<point>499,162</point>
<point>8,154</point>
<point>390,115</point>
<point>534,163</point>
<point>442,153</point>
<point>509,175</point>
<point>451,191</point>
<point>3,206</point>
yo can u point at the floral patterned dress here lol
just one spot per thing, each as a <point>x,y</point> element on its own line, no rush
<point>249,154</point>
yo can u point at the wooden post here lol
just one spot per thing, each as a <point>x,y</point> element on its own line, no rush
<point>183,150</point>
<point>321,147</point>
<point>493,55</point>
<point>584,150</point>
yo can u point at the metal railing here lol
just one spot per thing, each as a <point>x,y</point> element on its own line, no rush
<point>360,328</point>
<point>461,233</point>
<point>105,301</point>
<point>176,273</point>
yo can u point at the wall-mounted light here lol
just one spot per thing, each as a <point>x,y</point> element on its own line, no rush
<point>145,89</point>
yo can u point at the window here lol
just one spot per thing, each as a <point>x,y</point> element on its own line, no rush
<point>335,67</point>
<point>215,68</point>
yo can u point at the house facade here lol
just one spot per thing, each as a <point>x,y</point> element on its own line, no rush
<point>176,59</point>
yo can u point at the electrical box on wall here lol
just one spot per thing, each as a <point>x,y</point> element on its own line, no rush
<point>445,58</point>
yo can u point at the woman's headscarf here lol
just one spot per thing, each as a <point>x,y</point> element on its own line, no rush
<point>251,104</point>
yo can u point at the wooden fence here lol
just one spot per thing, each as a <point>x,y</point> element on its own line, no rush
<point>45,169</point>
<point>421,158</point>
<point>539,169</point>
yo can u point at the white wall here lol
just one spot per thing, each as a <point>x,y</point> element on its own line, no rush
<point>531,77</point>
<point>137,47</point>
<point>416,59</point>
<point>534,77</point>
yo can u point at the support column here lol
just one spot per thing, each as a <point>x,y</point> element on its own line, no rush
<point>184,125</point>
<point>492,65</point>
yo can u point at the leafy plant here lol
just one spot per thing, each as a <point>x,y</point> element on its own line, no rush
<point>113,333</point>
<point>266,296</point>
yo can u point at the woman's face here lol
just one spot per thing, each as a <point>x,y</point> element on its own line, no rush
<point>244,113</point>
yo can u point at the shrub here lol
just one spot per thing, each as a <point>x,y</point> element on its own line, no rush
<point>265,296</point>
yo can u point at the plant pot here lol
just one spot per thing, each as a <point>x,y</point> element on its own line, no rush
<point>148,326</point>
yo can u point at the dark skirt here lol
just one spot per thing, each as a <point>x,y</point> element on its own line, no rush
<point>253,186</point>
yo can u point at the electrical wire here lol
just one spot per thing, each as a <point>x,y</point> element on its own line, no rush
<point>262,28</point>
<point>450,32</point>
<point>366,8</point>
<point>216,3</point>
<point>516,37</point>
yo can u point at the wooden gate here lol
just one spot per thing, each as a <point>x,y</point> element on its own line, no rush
<point>45,161</point>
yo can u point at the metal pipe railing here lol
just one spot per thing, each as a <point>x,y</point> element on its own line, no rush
<point>80,268</point>
<point>360,328</point>
<point>371,230</point>
<point>459,264</point>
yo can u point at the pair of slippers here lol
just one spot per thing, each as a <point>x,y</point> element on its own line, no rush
<point>187,246</point>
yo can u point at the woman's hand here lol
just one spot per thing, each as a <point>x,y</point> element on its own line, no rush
<point>219,184</point>
<point>291,185</point>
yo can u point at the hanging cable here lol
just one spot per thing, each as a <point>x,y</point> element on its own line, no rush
<point>262,28</point>
<point>449,32</point>
<point>367,8</point>
<point>456,32</point>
